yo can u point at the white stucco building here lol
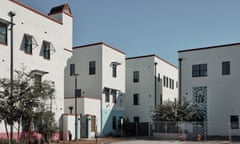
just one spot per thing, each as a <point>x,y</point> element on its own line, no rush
<point>100,93</point>
<point>40,43</point>
<point>150,80</point>
<point>210,77</point>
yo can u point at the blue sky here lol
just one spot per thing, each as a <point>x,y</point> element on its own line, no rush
<point>142,27</point>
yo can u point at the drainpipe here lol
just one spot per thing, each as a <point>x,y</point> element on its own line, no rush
<point>155,83</point>
<point>11,14</point>
<point>180,81</point>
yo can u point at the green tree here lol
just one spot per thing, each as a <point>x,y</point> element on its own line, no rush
<point>28,95</point>
<point>45,124</point>
<point>173,111</point>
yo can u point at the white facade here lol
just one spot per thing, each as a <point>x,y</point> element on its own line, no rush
<point>145,88</point>
<point>98,82</point>
<point>39,28</point>
<point>215,85</point>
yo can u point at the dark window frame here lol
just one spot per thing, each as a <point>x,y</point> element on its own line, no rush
<point>136,99</point>
<point>199,70</point>
<point>28,44</point>
<point>114,70</point>
<point>4,33</point>
<point>72,69</point>
<point>136,75</point>
<point>226,68</point>
<point>114,96</point>
<point>234,119</point>
<point>92,67</point>
<point>107,95</point>
<point>46,50</point>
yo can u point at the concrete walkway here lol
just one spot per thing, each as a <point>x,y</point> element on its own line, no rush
<point>171,142</point>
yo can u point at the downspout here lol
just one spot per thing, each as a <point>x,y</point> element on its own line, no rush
<point>155,83</point>
<point>180,81</point>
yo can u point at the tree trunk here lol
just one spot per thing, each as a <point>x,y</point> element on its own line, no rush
<point>5,123</point>
<point>29,130</point>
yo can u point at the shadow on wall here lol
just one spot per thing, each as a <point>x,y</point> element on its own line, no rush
<point>112,113</point>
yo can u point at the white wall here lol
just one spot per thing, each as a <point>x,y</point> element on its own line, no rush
<point>146,85</point>
<point>222,90</point>
<point>42,28</point>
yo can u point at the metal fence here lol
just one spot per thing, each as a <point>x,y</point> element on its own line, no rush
<point>188,130</point>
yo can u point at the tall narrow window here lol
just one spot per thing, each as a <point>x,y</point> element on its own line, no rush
<point>46,49</point>
<point>166,81</point>
<point>114,95</point>
<point>226,68</point>
<point>159,78</point>
<point>92,67</point>
<point>107,98</point>
<point>199,70</point>
<point>72,69</point>
<point>3,33</point>
<point>114,122</point>
<point>135,99</point>
<point>234,122</point>
<point>28,44</point>
<point>136,76</point>
<point>114,70</point>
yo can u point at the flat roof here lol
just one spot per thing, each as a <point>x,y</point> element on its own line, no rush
<point>152,55</point>
<point>98,43</point>
<point>209,47</point>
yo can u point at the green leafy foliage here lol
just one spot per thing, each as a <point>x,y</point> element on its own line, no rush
<point>28,96</point>
<point>173,111</point>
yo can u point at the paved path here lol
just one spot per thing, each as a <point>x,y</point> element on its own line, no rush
<point>172,142</point>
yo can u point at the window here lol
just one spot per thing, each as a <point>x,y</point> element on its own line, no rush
<point>28,44</point>
<point>226,68</point>
<point>176,84</point>
<point>3,33</point>
<point>114,95</point>
<point>159,78</point>
<point>164,81</point>
<point>107,98</point>
<point>135,99</point>
<point>171,83</point>
<point>136,76</point>
<point>114,122</point>
<point>114,70</point>
<point>92,67</point>
<point>78,92</point>
<point>46,50</point>
<point>234,122</point>
<point>72,69</point>
<point>199,70</point>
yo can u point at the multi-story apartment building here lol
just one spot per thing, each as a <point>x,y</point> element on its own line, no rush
<point>150,80</point>
<point>210,77</point>
<point>99,71</point>
<point>40,44</point>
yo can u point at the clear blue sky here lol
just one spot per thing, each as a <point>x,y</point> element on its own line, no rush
<point>161,27</point>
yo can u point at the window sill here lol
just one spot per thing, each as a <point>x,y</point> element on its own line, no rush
<point>5,44</point>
